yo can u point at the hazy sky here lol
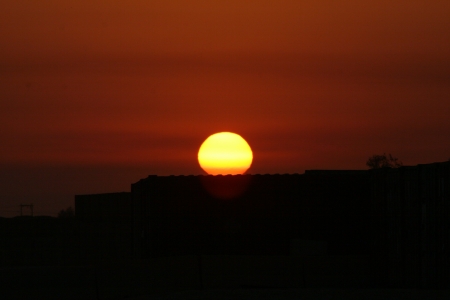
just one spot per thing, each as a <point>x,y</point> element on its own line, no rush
<point>95,95</point>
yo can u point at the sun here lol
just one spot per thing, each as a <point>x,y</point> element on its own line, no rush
<point>225,153</point>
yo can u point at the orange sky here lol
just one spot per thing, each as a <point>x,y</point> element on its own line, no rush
<point>130,88</point>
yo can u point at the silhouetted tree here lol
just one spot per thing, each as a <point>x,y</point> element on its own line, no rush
<point>68,213</point>
<point>383,161</point>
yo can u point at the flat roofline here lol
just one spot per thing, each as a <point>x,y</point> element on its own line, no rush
<point>226,175</point>
<point>335,171</point>
<point>257,175</point>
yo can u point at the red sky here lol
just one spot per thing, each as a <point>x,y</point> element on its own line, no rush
<point>95,95</point>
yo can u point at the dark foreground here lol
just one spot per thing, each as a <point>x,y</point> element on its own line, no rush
<point>207,277</point>
<point>244,294</point>
<point>304,294</point>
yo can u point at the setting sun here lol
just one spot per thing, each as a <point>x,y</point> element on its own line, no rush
<point>225,153</point>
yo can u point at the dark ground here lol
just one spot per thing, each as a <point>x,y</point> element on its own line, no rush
<point>304,294</point>
<point>133,283</point>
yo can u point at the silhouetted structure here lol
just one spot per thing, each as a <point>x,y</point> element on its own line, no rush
<point>411,225</point>
<point>273,214</point>
<point>381,228</point>
<point>399,217</point>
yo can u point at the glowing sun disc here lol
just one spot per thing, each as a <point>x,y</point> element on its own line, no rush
<point>225,153</point>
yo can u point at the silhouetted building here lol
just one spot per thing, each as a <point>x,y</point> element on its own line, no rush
<point>411,225</point>
<point>376,228</point>
<point>252,214</point>
<point>104,207</point>
<point>384,227</point>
